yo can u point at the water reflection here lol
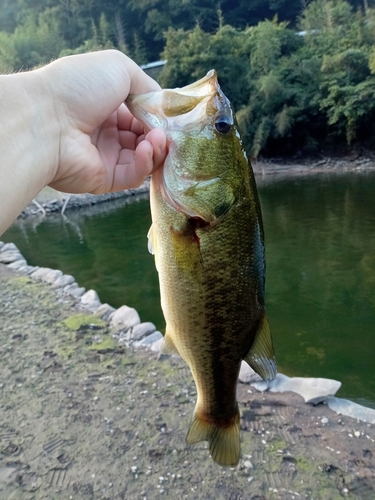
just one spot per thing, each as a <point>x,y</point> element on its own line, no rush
<point>320,243</point>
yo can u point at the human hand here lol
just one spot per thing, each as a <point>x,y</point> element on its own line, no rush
<point>102,147</point>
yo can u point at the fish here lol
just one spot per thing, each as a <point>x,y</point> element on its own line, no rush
<point>208,243</point>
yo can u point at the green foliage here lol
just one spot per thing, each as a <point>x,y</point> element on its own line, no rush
<point>100,39</point>
<point>291,91</point>
<point>191,54</point>
<point>35,41</point>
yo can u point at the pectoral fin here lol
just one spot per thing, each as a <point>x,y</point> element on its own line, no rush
<point>261,357</point>
<point>151,240</point>
<point>152,244</point>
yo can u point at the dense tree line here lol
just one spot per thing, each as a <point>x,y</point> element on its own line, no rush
<point>300,73</point>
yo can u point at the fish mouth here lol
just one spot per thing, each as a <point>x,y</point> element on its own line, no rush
<point>175,109</point>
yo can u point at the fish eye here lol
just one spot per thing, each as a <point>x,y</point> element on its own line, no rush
<point>223,124</point>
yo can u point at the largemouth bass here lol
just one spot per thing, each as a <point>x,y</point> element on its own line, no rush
<point>207,238</point>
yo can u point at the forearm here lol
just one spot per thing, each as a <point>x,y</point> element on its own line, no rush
<point>29,138</point>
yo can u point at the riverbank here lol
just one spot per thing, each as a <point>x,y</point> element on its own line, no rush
<point>85,416</point>
<point>50,200</point>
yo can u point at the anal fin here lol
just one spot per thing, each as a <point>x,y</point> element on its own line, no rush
<point>261,357</point>
<point>168,346</point>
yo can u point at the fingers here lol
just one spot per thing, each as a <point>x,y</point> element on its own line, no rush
<point>134,167</point>
<point>158,141</point>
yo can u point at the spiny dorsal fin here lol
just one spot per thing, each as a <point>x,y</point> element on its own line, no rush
<point>168,346</point>
<point>261,356</point>
<point>224,441</point>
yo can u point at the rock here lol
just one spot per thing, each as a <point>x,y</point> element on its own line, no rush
<point>18,264</point>
<point>313,390</point>
<point>77,292</point>
<point>40,273</point>
<point>350,409</point>
<point>71,287</point>
<point>31,269</point>
<point>104,311</point>
<point>10,256</point>
<point>10,247</point>
<point>156,346</point>
<point>261,386</point>
<point>126,317</point>
<point>142,330</point>
<point>248,375</point>
<point>150,339</point>
<point>23,269</point>
<point>91,300</point>
<point>63,281</point>
<point>2,244</point>
<point>52,276</point>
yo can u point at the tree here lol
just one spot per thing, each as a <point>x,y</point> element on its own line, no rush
<point>191,54</point>
<point>34,42</point>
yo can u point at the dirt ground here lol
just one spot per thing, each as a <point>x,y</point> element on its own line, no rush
<point>82,417</point>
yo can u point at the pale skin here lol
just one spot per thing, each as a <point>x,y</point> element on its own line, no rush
<point>65,125</point>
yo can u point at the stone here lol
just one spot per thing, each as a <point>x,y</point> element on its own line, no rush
<point>10,247</point>
<point>77,292</point>
<point>10,256</point>
<point>40,273</point>
<point>104,311</point>
<point>52,276</point>
<point>18,264</point>
<point>31,269</point>
<point>63,281</point>
<point>313,390</point>
<point>142,330</point>
<point>150,339</point>
<point>91,300</point>
<point>350,409</point>
<point>156,346</point>
<point>248,375</point>
<point>23,269</point>
<point>261,385</point>
<point>125,317</point>
<point>2,244</point>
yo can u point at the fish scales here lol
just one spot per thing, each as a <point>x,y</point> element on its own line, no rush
<point>207,238</point>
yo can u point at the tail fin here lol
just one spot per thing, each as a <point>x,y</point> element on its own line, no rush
<point>224,441</point>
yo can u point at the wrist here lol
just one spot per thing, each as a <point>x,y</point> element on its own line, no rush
<point>29,138</point>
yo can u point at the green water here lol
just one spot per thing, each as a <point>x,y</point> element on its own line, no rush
<point>320,244</point>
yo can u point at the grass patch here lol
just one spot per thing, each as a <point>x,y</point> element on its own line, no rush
<point>79,320</point>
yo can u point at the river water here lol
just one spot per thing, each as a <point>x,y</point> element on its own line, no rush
<point>320,246</point>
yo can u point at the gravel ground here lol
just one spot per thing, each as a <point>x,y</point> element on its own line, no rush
<point>82,417</point>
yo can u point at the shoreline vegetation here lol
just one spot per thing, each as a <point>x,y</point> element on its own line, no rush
<point>300,75</point>
<point>52,201</point>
